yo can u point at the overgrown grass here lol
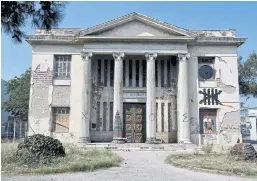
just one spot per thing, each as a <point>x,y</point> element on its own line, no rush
<point>76,160</point>
<point>214,162</point>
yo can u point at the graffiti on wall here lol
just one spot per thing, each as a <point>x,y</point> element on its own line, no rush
<point>208,121</point>
<point>230,122</point>
<point>210,96</point>
<point>194,125</point>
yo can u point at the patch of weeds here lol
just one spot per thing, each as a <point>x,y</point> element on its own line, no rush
<point>207,148</point>
<point>75,160</point>
<point>214,162</point>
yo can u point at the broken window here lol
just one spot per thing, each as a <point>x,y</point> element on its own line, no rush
<point>62,66</point>
<point>61,119</point>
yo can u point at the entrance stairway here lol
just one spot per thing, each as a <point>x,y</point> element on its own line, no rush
<point>142,147</point>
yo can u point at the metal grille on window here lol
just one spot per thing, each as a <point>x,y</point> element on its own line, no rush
<point>162,73</point>
<point>162,116</point>
<point>62,66</point>
<point>130,73</point>
<point>137,73</point>
<point>112,73</point>
<point>99,72</point>
<point>144,73</point>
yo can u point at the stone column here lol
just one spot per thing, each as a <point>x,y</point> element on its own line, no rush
<point>118,98</point>
<point>183,100</point>
<point>86,97</point>
<point>150,99</point>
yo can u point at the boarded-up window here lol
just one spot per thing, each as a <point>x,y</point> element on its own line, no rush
<point>61,119</point>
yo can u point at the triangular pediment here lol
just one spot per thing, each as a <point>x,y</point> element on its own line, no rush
<point>135,25</point>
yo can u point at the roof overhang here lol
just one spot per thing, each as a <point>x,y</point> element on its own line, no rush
<point>137,39</point>
<point>222,41</point>
<point>43,39</point>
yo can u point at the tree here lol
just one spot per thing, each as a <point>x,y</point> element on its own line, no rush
<point>248,76</point>
<point>18,90</point>
<point>43,14</point>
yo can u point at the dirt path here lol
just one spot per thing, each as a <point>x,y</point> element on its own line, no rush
<point>137,166</point>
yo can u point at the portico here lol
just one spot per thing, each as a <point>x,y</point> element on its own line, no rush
<point>183,132</point>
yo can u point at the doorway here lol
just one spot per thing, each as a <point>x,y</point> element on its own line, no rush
<point>134,122</point>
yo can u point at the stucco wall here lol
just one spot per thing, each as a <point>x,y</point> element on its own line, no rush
<point>44,94</point>
<point>226,81</point>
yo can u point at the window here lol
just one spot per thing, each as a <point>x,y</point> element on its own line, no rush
<point>205,68</point>
<point>62,66</point>
<point>61,119</point>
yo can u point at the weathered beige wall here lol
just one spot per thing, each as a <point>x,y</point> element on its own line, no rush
<point>44,94</point>
<point>226,80</point>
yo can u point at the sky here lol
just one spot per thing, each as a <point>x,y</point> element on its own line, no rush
<point>242,16</point>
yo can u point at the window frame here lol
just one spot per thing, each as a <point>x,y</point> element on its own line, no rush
<point>63,67</point>
<point>63,111</point>
<point>209,61</point>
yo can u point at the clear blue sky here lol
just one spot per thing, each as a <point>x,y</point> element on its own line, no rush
<point>242,16</point>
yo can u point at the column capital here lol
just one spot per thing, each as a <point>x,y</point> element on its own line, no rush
<point>118,55</point>
<point>86,55</point>
<point>183,56</point>
<point>151,56</point>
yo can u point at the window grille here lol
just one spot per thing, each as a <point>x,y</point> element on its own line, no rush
<point>62,66</point>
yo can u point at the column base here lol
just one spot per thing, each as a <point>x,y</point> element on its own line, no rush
<point>84,140</point>
<point>118,140</point>
<point>151,141</point>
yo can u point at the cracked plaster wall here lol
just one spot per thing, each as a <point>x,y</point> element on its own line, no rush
<point>227,82</point>
<point>41,81</point>
<point>44,95</point>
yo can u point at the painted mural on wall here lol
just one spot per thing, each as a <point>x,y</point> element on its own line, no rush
<point>207,121</point>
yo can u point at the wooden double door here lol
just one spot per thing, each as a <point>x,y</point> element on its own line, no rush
<point>134,122</point>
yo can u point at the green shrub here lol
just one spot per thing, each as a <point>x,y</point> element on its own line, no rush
<point>207,148</point>
<point>39,149</point>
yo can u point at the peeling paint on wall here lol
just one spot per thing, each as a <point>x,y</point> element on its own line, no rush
<point>42,75</point>
<point>227,88</point>
<point>210,137</point>
<point>41,87</point>
<point>61,96</point>
<point>194,126</point>
<point>230,122</point>
<point>39,108</point>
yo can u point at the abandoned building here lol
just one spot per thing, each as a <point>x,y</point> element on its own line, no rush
<point>135,79</point>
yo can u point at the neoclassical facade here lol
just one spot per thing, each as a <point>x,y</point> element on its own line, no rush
<point>135,79</point>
